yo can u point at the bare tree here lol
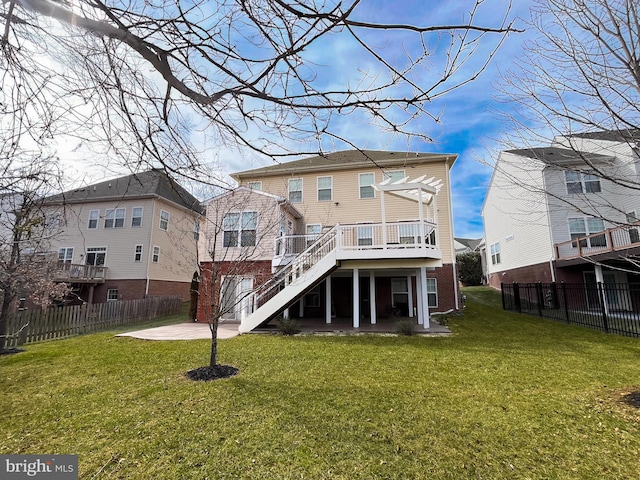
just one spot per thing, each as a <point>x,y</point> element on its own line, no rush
<point>27,267</point>
<point>245,73</point>
<point>576,91</point>
<point>240,229</point>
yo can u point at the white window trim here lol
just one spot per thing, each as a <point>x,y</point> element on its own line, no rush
<point>155,254</point>
<point>168,219</point>
<point>371,185</point>
<point>109,292</point>
<point>301,189</point>
<point>257,185</point>
<point>496,256</point>
<point>112,214</point>
<point>582,180</point>
<point>433,292</point>
<point>66,251</point>
<point>140,217</point>
<point>330,199</point>
<point>97,219</point>
<point>136,253</point>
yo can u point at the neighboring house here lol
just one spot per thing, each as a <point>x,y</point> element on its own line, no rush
<point>548,217</point>
<point>127,238</point>
<point>467,245</point>
<point>359,234</point>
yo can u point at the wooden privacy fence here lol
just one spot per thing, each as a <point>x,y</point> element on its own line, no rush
<point>28,326</point>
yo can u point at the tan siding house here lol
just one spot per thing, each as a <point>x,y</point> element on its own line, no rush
<point>373,240</point>
<point>127,238</point>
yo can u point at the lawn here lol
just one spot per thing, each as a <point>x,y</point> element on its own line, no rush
<point>506,396</point>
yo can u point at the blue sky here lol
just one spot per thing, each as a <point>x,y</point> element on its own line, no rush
<point>470,123</point>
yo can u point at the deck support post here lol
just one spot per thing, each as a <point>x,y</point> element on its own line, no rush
<point>327,299</point>
<point>410,295</point>
<point>356,298</point>
<point>423,294</point>
<point>372,297</point>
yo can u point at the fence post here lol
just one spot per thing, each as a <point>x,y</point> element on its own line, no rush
<point>540,297</point>
<point>601,295</point>
<point>516,297</point>
<point>566,302</point>
<point>504,303</point>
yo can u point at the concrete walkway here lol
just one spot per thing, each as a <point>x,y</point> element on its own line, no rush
<point>184,331</point>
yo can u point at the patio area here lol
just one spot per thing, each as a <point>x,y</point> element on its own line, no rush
<point>344,325</point>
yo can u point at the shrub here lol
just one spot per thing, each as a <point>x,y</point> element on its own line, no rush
<point>288,326</point>
<point>405,327</point>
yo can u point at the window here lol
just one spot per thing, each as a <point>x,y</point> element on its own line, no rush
<point>581,182</point>
<point>240,226</point>
<point>156,255</point>
<point>114,218</point>
<point>432,292</point>
<point>365,181</point>
<point>579,228</point>
<point>96,256</point>
<point>52,221</point>
<point>136,217</point>
<point>65,255</point>
<point>234,297</point>
<point>313,232</point>
<point>196,231</point>
<point>112,295</point>
<point>312,299</point>
<point>164,220</point>
<point>137,257</point>
<point>400,295</point>
<point>295,190</point>
<point>325,188</point>
<point>495,253</point>
<point>255,185</point>
<point>394,175</point>
<point>365,236</point>
<point>94,216</point>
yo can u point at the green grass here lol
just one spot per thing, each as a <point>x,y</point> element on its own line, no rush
<point>506,396</point>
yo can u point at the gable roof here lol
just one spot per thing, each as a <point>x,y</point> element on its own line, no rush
<point>152,183</point>
<point>285,203</point>
<point>471,243</point>
<point>558,156</point>
<point>623,135</point>
<point>347,159</point>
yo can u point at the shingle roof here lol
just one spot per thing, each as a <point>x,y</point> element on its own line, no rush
<point>556,155</point>
<point>138,185</point>
<point>471,243</point>
<point>346,159</point>
<point>624,135</point>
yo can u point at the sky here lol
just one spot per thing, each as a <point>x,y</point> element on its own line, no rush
<point>470,123</point>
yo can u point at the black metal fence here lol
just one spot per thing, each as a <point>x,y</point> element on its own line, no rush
<point>605,307</point>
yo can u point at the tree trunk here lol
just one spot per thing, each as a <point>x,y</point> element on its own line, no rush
<point>4,318</point>
<point>213,361</point>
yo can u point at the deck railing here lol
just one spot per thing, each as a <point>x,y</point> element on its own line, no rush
<point>364,236</point>
<point>74,272</point>
<point>609,240</point>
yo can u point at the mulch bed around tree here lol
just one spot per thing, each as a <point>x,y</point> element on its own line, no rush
<point>205,374</point>
<point>632,399</point>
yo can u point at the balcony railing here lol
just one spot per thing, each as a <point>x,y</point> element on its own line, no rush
<point>609,240</point>
<point>364,236</point>
<point>74,272</point>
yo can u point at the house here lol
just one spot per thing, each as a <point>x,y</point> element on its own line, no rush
<point>126,238</point>
<point>362,235</point>
<point>565,212</point>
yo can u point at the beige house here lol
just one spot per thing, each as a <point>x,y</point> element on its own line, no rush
<point>127,238</point>
<point>371,238</point>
